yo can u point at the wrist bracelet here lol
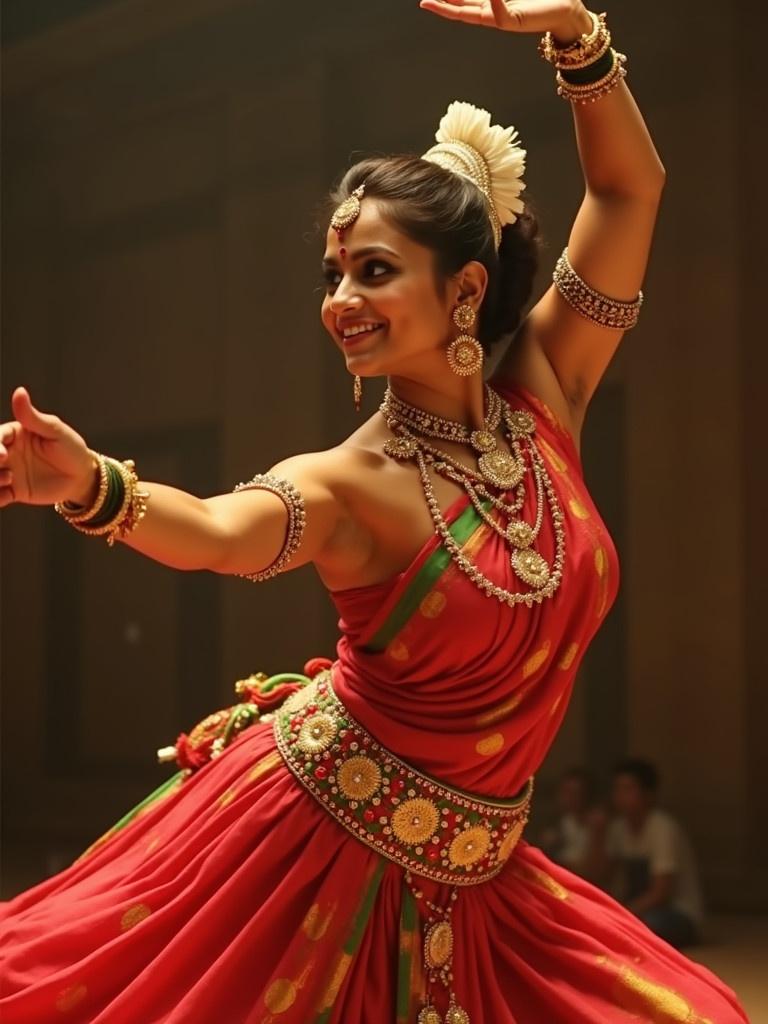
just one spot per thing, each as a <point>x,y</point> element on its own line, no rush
<point>587,69</point>
<point>119,507</point>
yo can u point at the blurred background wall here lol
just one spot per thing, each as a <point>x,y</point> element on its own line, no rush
<point>163,167</point>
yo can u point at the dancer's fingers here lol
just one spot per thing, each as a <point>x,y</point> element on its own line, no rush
<point>469,11</point>
<point>45,424</point>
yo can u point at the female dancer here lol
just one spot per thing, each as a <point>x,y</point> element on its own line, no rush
<point>353,853</point>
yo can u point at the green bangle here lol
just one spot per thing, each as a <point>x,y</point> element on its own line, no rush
<point>115,495</point>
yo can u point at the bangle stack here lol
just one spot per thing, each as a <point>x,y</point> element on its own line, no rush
<point>588,68</point>
<point>119,505</point>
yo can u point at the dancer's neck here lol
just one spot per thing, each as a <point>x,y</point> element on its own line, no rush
<point>462,402</point>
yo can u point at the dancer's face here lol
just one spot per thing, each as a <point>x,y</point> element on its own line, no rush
<point>385,283</point>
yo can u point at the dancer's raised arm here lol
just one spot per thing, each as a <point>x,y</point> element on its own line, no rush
<point>560,353</point>
<point>44,461</point>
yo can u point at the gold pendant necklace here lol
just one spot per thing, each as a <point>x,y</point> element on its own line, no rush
<point>528,565</point>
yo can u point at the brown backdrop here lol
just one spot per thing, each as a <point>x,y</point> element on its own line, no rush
<point>163,166</point>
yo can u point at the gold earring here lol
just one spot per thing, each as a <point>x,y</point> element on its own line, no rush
<point>465,353</point>
<point>357,392</point>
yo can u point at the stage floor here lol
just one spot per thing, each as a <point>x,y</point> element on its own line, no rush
<point>737,951</point>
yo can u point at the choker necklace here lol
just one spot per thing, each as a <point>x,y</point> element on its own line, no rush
<point>497,469</point>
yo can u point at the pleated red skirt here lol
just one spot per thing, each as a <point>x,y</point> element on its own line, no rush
<point>237,899</point>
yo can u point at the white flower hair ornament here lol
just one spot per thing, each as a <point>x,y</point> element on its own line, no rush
<point>487,154</point>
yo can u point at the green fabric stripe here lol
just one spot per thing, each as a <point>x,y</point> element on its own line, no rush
<point>408,926</point>
<point>364,910</point>
<point>461,529</point>
<point>155,795</point>
<point>357,929</point>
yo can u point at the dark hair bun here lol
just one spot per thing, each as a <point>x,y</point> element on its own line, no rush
<point>518,263</point>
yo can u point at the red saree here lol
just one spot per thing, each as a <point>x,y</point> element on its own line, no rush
<point>232,896</point>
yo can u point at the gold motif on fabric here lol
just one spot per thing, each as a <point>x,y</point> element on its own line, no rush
<point>298,700</point>
<point>578,509</point>
<point>317,734</point>
<point>534,663</point>
<point>489,745</point>
<point>657,1003</point>
<point>469,846</point>
<point>70,997</point>
<point>415,821</point>
<point>316,921</point>
<point>133,916</point>
<point>280,995</point>
<point>541,878</point>
<point>264,765</point>
<point>433,604</point>
<point>568,657</point>
<point>359,778</point>
<point>398,651</point>
<point>509,842</point>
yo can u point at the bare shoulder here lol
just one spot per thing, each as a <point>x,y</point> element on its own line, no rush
<point>337,472</point>
<point>340,486</point>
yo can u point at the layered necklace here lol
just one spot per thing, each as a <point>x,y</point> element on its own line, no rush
<point>497,471</point>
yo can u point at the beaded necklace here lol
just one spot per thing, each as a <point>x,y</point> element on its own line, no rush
<point>498,469</point>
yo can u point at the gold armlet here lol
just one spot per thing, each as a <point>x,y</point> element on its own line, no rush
<point>600,309</point>
<point>294,503</point>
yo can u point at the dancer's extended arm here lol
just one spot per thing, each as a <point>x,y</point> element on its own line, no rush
<point>44,461</point>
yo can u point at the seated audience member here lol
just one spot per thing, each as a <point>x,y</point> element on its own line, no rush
<point>653,864</point>
<point>577,839</point>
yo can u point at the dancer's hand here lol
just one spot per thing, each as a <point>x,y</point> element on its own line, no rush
<point>42,460</point>
<point>565,19</point>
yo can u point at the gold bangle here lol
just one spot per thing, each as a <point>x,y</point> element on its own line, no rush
<point>589,92</point>
<point>593,305</point>
<point>583,51</point>
<point>136,509</point>
<point>132,509</point>
<point>80,513</point>
<point>294,503</point>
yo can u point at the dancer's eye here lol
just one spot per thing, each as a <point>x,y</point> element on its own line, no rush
<point>373,269</point>
<point>373,265</point>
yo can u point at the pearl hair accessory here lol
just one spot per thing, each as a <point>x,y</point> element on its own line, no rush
<point>488,155</point>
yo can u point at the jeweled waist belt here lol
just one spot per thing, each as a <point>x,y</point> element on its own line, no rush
<point>428,828</point>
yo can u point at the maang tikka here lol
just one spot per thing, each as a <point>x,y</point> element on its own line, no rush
<point>465,353</point>
<point>345,216</point>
